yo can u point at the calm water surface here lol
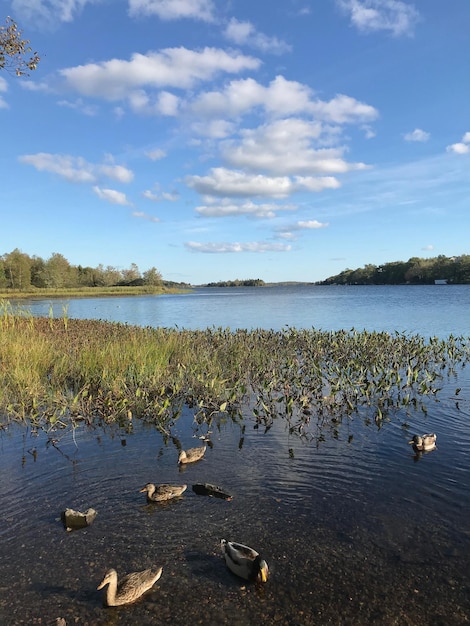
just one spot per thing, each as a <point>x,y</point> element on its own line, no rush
<point>429,310</point>
<point>355,528</point>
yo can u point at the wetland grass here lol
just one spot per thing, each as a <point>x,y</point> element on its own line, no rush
<point>55,372</point>
<point>88,292</point>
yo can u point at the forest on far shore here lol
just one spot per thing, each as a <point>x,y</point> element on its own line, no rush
<point>454,270</point>
<point>19,271</point>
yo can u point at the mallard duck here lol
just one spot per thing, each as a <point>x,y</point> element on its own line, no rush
<point>191,455</point>
<point>205,489</point>
<point>161,493</point>
<point>244,561</point>
<point>76,519</point>
<point>130,588</point>
<point>423,443</point>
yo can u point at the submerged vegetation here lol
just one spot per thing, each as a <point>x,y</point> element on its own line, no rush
<point>55,372</point>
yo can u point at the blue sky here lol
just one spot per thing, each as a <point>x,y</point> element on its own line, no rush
<point>282,140</point>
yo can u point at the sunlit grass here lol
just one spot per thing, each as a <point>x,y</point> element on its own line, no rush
<point>54,372</point>
<point>85,292</point>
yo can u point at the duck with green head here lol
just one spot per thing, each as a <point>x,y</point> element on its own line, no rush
<point>244,561</point>
<point>423,443</point>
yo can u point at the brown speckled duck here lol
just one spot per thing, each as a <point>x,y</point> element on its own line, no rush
<point>162,493</point>
<point>191,455</point>
<point>130,588</point>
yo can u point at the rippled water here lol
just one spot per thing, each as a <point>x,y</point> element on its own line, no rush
<point>431,310</point>
<point>355,528</point>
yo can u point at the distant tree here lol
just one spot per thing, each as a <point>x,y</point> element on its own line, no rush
<point>111,275</point>
<point>414,271</point>
<point>152,277</point>
<point>17,269</point>
<point>87,277</point>
<point>462,269</point>
<point>131,276</point>
<point>57,271</point>
<point>38,272</point>
<point>3,278</point>
<point>14,50</point>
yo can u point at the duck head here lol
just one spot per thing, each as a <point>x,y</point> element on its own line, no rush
<point>260,570</point>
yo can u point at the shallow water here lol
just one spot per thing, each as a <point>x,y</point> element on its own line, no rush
<point>355,528</point>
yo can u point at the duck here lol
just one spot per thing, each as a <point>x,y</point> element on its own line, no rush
<point>423,443</point>
<point>130,588</point>
<point>72,520</point>
<point>206,489</point>
<point>191,455</point>
<point>161,493</point>
<point>244,561</point>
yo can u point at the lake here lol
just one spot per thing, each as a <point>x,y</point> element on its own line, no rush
<point>356,528</point>
<point>430,310</point>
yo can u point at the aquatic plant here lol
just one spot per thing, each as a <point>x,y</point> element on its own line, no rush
<point>55,372</point>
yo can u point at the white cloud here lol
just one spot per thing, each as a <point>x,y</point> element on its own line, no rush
<point>280,98</point>
<point>215,129</point>
<point>395,16</point>
<point>144,216</point>
<point>225,247</point>
<point>343,109</point>
<point>163,103</point>
<point>288,231</point>
<point>156,155</point>
<point>172,67</point>
<point>286,147</point>
<point>244,33</point>
<point>250,209</point>
<point>46,13</point>
<point>233,183</point>
<point>459,148</point>
<point>462,147</point>
<point>116,172</point>
<point>80,106</point>
<point>417,135</point>
<point>174,9</point>
<point>76,169</point>
<point>160,197</point>
<point>308,225</point>
<point>112,196</point>
<point>369,132</point>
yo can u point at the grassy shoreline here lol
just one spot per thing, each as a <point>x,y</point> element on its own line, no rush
<point>86,292</point>
<point>56,372</point>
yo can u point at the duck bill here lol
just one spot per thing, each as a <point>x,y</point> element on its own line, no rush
<point>264,574</point>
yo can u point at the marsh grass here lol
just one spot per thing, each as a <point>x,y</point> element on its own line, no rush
<point>56,372</point>
<point>87,292</point>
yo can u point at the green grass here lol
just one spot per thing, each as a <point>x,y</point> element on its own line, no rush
<point>55,372</point>
<point>84,292</point>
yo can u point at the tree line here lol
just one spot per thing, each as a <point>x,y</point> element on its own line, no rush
<point>20,271</point>
<point>415,271</point>
<point>248,282</point>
